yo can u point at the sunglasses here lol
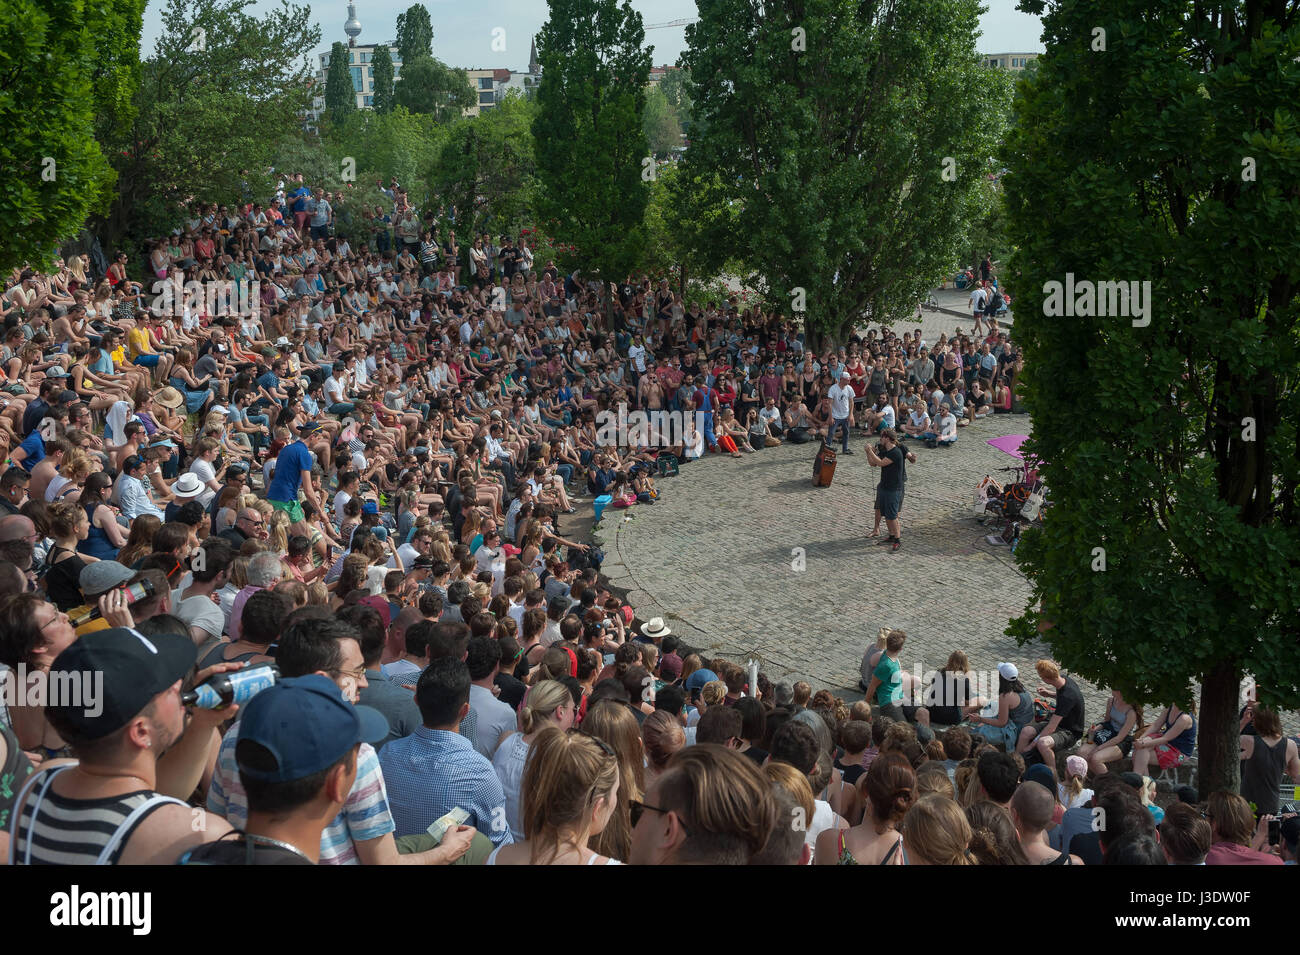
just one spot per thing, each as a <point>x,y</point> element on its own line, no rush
<point>637,810</point>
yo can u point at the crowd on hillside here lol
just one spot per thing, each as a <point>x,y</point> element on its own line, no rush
<point>351,452</point>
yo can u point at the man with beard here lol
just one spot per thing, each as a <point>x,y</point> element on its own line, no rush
<point>107,808</point>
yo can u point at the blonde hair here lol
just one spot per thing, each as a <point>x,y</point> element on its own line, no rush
<point>714,692</point>
<point>277,529</point>
<point>932,779</point>
<point>782,774</point>
<point>540,706</point>
<point>75,466</point>
<point>614,723</point>
<point>1048,669</point>
<point>936,830</point>
<point>565,776</point>
<point>318,594</point>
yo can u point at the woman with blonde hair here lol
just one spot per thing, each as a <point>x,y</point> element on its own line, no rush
<point>935,832</point>
<point>661,737</point>
<point>66,485</point>
<point>614,723</point>
<point>549,703</point>
<point>277,530</point>
<point>570,788</point>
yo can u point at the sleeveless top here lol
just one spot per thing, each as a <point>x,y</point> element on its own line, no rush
<point>846,857</point>
<point>1062,859</point>
<point>77,831</point>
<point>1185,741</point>
<point>1262,774</point>
<point>1023,714</point>
<point>1115,718</point>
<point>492,859</point>
<point>96,543</point>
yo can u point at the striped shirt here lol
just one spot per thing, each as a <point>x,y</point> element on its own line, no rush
<point>364,816</point>
<point>432,772</point>
<point>75,831</point>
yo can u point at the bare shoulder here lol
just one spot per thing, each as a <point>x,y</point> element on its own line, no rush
<point>168,831</point>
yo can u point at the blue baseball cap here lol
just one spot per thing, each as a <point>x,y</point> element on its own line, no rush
<point>697,679</point>
<point>369,507</point>
<point>307,725</point>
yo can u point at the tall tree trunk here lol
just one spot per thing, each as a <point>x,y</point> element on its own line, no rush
<point>1218,730</point>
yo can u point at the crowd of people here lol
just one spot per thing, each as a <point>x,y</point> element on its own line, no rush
<point>351,453</point>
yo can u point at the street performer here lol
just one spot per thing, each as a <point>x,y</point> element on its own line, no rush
<point>891,460</point>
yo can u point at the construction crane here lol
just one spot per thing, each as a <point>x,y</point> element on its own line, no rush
<point>672,23</point>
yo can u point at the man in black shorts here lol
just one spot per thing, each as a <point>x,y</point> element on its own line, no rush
<point>1042,740</point>
<point>888,456</point>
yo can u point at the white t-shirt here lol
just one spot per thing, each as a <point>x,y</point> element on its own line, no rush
<point>823,819</point>
<point>977,298</point>
<point>334,391</point>
<point>637,354</point>
<point>841,401</point>
<point>203,469</point>
<point>887,416</point>
<point>947,427</point>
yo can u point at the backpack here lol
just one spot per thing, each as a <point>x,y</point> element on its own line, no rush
<point>997,303</point>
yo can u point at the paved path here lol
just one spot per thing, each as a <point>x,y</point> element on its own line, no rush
<point>746,556</point>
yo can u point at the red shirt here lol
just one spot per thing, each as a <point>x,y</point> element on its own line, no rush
<point>1229,853</point>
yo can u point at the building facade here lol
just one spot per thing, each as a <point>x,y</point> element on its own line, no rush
<point>1008,61</point>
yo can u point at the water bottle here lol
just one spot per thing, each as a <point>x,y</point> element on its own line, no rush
<point>239,686</point>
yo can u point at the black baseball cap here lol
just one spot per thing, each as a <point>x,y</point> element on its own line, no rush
<point>135,669</point>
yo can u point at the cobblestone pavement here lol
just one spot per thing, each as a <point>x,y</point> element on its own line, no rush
<point>718,558</point>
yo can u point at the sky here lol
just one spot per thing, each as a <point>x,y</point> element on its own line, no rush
<point>463,32</point>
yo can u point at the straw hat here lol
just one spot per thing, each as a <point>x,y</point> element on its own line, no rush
<point>170,398</point>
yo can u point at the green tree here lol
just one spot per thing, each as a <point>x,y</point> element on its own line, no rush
<point>382,145</point>
<point>429,86</point>
<point>55,172</point>
<point>1169,556</point>
<point>591,146</point>
<point>487,168</point>
<point>663,131</point>
<point>674,86</point>
<point>210,110</point>
<point>840,131</point>
<point>382,82</point>
<point>414,34</point>
<point>340,93</point>
<point>116,72</point>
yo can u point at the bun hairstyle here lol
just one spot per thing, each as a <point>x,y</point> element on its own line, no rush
<point>662,736</point>
<point>993,838</point>
<point>890,785</point>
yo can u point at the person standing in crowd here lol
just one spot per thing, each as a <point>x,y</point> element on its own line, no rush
<point>889,457</point>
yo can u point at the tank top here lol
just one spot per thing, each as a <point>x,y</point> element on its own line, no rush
<point>1262,774</point>
<point>77,831</point>
<point>1023,714</point>
<point>1185,741</point>
<point>96,543</point>
<point>1116,717</point>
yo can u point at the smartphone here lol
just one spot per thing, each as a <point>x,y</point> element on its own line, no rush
<point>1274,831</point>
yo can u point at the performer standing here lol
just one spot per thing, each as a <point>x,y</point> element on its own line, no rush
<point>889,457</point>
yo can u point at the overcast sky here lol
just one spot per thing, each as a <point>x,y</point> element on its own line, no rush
<point>463,32</point>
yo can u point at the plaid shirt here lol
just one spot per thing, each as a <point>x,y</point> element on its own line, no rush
<point>364,816</point>
<point>431,772</point>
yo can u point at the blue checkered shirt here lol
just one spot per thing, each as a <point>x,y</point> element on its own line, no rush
<point>431,772</point>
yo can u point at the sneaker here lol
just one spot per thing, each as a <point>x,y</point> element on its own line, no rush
<point>897,543</point>
<point>847,451</point>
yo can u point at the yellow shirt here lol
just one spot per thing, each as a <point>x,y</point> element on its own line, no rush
<point>138,339</point>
